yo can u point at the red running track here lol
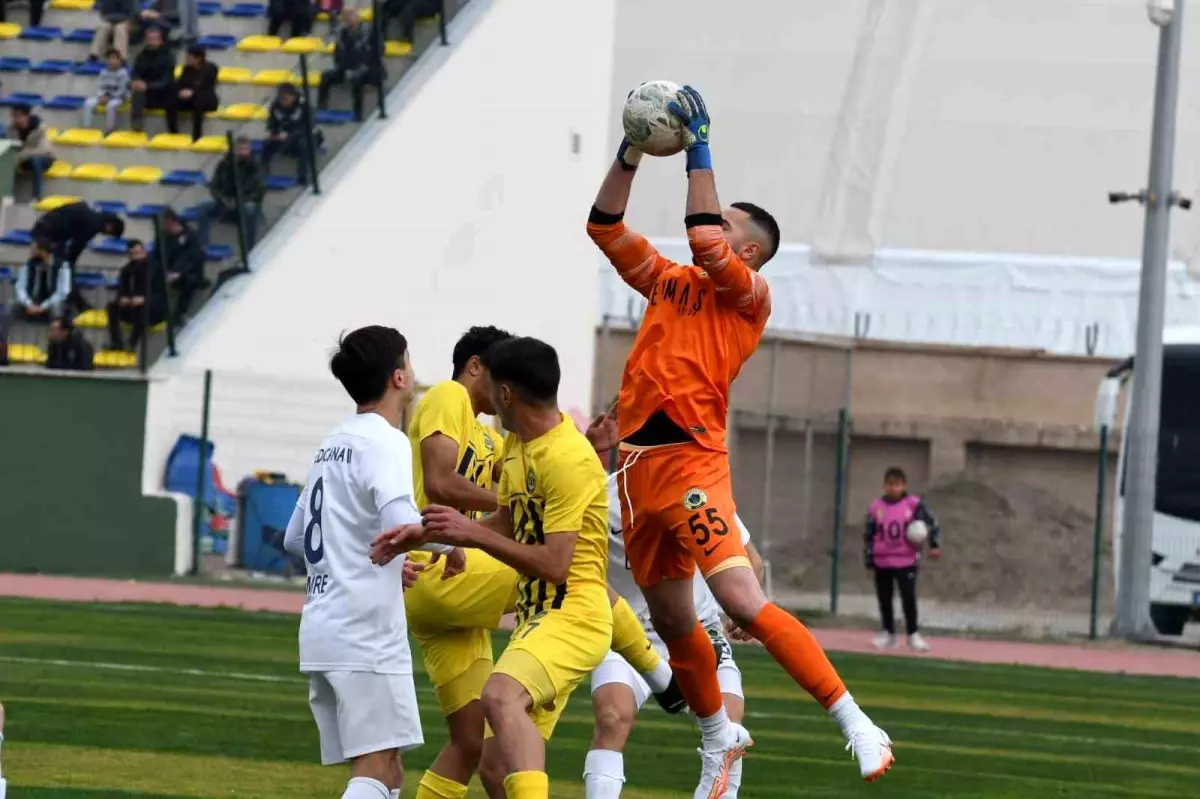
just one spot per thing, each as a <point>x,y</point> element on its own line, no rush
<point>1107,657</point>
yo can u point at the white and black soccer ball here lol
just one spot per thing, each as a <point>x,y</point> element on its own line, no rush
<point>917,533</point>
<point>649,126</point>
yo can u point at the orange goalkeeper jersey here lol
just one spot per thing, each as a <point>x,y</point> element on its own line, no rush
<point>701,324</point>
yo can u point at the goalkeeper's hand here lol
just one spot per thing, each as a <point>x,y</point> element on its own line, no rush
<point>628,156</point>
<point>689,108</point>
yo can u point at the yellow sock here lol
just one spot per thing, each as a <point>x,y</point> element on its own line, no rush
<point>527,785</point>
<point>629,639</point>
<point>435,786</point>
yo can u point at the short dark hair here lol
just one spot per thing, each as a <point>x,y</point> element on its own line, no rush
<point>895,473</point>
<point>365,359</point>
<point>198,50</point>
<point>112,51</point>
<point>767,222</point>
<point>528,365</point>
<point>131,243</point>
<point>22,108</point>
<point>115,225</point>
<point>474,343</point>
<point>155,29</point>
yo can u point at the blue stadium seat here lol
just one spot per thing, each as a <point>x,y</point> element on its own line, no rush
<point>147,211</point>
<point>246,10</point>
<point>17,98</point>
<point>208,9</point>
<point>218,252</point>
<point>110,207</point>
<point>88,68</point>
<point>110,246</point>
<point>90,280</point>
<point>65,102</point>
<point>183,177</point>
<point>330,117</point>
<point>19,238</point>
<point>7,274</point>
<point>190,214</point>
<point>14,64</point>
<point>41,33</point>
<point>52,66</point>
<point>79,36</point>
<point>216,42</point>
<point>280,182</point>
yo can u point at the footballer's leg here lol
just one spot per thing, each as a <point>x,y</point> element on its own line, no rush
<point>617,694</point>
<point>630,641</point>
<point>507,704</point>
<point>730,678</point>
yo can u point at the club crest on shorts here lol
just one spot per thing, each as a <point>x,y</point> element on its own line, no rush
<point>694,498</point>
<point>530,481</point>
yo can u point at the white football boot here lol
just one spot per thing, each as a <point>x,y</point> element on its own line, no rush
<point>917,643</point>
<point>718,759</point>
<point>872,748</point>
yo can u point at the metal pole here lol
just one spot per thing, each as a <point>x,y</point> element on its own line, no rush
<point>237,198</point>
<point>310,138</point>
<point>769,468</point>
<point>839,504</point>
<point>144,341</point>
<point>377,35</point>
<point>1098,530</point>
<point>442,24</point>
<point>160,252</point>
<point>1133,583</point>
<point>201,471</point>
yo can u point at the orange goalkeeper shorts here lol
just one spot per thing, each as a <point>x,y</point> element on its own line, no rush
<point>677,512</point>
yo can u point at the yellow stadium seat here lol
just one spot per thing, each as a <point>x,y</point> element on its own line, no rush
<point>397,49</point>
<point>140,175</point>
<point>79,137</point>
<point>126,139</point>
<point>210,144</point>
<point>72,5</point>
<point>26,353</point>
<point>304,44</point>
<point>260,44</point>
<point>175,142</point>
<point>59,169</point>
<point>115,359</point>
<point>274,77</point>
<point>92,319</point>
<point>234,75</point>
<point>243,112</point>
<point>366,14</point>
<point>54,201</point>
<point>94,172</point>
<point>314,80</point>
<point>178,71</point>
<point>9,30</point>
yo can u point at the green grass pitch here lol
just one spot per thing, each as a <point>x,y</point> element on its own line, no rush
<point>207,703</point>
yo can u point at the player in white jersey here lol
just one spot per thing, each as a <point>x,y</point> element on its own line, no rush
<point>618,692</point>
<point>353,633</point>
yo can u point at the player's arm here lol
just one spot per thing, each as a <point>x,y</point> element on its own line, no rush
<point>443,484</point>
<point>868,538</point>
<point>550,561</point>
<point>935,531</point>
<point>293,537</point>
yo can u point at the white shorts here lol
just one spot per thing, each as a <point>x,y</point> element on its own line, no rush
<point>359,712</point>
<point>615,669</point>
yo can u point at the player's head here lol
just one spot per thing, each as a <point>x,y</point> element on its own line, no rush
<point>895,483</point>
<point>372,364</point>
<point>468,364</point>
<point>752,233</point>
<point>525,374</point>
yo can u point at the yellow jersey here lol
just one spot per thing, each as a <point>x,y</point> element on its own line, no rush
<point>446,408</point>
<point>555,484</point>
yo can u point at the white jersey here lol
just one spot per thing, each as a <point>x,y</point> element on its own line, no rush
<point>353,616</point>
<point>621,578</point>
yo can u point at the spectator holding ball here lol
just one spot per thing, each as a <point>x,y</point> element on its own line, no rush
<point>898,525</point>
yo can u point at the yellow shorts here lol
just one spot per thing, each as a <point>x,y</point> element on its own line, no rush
<point>552,653</point>
<point>452,620</point>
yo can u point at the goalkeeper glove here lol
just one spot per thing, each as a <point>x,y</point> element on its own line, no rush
<point>628,156</point>
<point>689,108</point>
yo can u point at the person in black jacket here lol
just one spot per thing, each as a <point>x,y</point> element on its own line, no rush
<point>184,259</point>
<point>354,59</point>
<point>68,348</point>
<point>141,298</point>
<point>69,228</point>
<point>285,131</point>
<point>197,88</point>
<point>297,13</point>
<point>237,170</point>
<point>153,81</point>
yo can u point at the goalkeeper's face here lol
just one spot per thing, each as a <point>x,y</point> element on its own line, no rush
<point>743,236</point>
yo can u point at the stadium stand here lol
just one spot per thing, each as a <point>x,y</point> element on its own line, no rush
<point>137,174</point>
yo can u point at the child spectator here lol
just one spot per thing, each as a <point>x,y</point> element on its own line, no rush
<point>112,89</point>
<point>34,156</point>
<point>153,83</point>
<point>197,88</point>
<point>894,558</point>
<point>141,298</point>
<point>68,349</point>
<point>237,171</point>
<point>285,131</point>
<point>42,287</point>
<point>113,30</point>
<point>354,60</point>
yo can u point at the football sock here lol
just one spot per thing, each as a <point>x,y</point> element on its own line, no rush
<point>395,793</point>
<point>694,662</point>
<point>712,728</point>
<point>366,788</point>
<point>435,786</point>
<point>630,642</point>
<point>794,648</point>
<point>603,774</point>
<point>527,785</point>
<point>847,713</point>
<point>659,679</point>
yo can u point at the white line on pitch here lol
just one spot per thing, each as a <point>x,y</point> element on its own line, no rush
<point>231,675</point>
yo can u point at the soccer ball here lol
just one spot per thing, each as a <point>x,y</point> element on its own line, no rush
<point>648,124</point>
<point>917,533</point>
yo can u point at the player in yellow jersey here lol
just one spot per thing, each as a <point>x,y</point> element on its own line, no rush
<point>552,528</point>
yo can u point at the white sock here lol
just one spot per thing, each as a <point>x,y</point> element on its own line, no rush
<point>603,774</point>
<point>396,793</point>
<point>847,713</point>
<point>366,788</point>
<point>714,727</point>
<point>660,678</point>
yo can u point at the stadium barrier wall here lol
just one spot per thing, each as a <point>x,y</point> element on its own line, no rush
<point>72,497</point>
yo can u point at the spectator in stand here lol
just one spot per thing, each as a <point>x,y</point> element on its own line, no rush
<point>153,82</point>
<point>42,287</point>
<point>35,12</point>
<point>354,60</point>
<point>237,170</point>
<point>34,155</point>
<point>141,298</point>
<point>285,131</point>
<point>113,31</point>
<point>184,261</point>
<point>334,9</point>
<point>158,13</point>
<point>297,13</point>
<point>68,350</point>
<point>69,228</point>
<point>894,558</point>
<point>197,88</point>
<point>112,89</point>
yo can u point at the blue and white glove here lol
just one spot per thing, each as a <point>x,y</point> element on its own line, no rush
<point>689,108</point>
<point>628,156</point>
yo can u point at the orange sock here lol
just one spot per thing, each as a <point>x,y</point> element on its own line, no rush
<point>694,662</point>
<point>794,648</point>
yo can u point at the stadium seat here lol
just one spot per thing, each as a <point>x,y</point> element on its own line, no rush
<point>115,359</point>
<point>366,14</point>
<point>218,252</point>
<point>397,49</point>
<point>144,175</point>
<point>126,139</point>
<point>147,210</point>
<point>72,5</point>
<point>79,36</point>
<point>9,30</point>
<point>242,112</point>
<point>7,274</point>
<point>59,169</point>
<point>175,142</point>
<point>234,75</point>
<point>22,98</point>
<point>246,10</point>
<point>94,172</point>
<point>93,318</point>
<point>53,201</point>
<point>14,64</point>
<point>26,353</point>
<point>80,137</point>
<point>280,182</point>
<point>210,144</point>
<point>65,102</point>
<point>260,44</point>
<point>331,117</point>
<point>274,77</point>
<point>94,280</point>
<point>208,9</point>
<point>17,238</point>
<point>304,44</point>
<point>41,33</point>
<point>183,177</point>
<point>110,207</point>
<point>52,66</point>
<point>88,68</point>
<point>109,246</point>
<point>217,42</point>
